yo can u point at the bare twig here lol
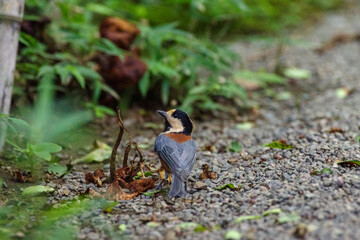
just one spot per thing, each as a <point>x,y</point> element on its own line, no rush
<point>116,145</point>
<point>139,151</point>
<point>126,154</point>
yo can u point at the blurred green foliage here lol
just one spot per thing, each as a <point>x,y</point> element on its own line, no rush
<point>44,125</point>
<point>218,17</point>
<point>176,58</point>
<point>34,218</point>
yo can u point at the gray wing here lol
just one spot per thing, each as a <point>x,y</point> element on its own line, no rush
<point>180,157</point>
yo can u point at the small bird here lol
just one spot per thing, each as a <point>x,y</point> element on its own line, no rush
<point>176,149</point>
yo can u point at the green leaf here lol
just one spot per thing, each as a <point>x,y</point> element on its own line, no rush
<point>20,122</point>
<point>357,139</point>
<point>352,162</point>
<point>50,147</point>
<point>100,154</point>
<point>16,147</point>
<point>144,84</point>
<point>34,190</point>
<point>326,170</point>
<point>43,150</point>
<point>200,228</point>
<point>153,224</point>
<point>100,9</point>
<point>249,217</point>
<point>64,74</point>
<point>107,206</point>
<point>147,174</point>
<point>77,74</point>
<point>235,147</point>
<point>228,185</point>
<point>297,73</point>
<point>272,211</point>
<point>244,125</point>
<point>143,146</point>
<point>106,46</point>
<point>232,235</point>
<point>122,227</point>
<point>278,144</point>
<point>342,93</point>
<point>187,225</point>
<point>45,69</point>
<point>284,95</point>
<point>57,169</point>
<point>261,77</point>
<point>150,194</point>
<point>289,217</point>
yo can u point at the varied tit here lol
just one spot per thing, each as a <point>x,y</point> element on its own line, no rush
<point>176,149</point>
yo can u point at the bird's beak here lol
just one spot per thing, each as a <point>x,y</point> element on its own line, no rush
<point>162,113</point>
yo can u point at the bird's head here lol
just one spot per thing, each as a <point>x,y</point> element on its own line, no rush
<point>177,121</point>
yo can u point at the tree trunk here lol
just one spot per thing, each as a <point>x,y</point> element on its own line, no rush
<point>11,12</point>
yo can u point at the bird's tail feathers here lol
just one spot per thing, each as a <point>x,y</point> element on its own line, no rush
<point>177,188</point>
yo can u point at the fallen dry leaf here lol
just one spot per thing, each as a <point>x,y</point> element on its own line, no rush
<point>141,185</point>
<point>207,173</point>
<point>335,129</point>
<point>338,39</point>
<point>210,148</point>
<point>21,176</point>
<point>125,173</point>
<point>115,192</point>
<point>93,193</point>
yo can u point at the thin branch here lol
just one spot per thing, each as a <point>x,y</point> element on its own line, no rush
<point>116,146</point>
<point>126,154</point>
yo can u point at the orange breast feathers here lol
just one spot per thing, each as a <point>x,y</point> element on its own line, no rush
<point>179,137</point>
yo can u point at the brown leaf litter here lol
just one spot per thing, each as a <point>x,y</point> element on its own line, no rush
<point>207,174</point>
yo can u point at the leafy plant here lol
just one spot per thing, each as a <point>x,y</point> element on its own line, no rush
<point>32,152</point>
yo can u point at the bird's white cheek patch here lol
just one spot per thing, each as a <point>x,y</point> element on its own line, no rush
<point>176,125</point>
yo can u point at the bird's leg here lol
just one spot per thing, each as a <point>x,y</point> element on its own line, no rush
<point>159,186</point>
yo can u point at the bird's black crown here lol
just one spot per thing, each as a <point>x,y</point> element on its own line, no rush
<point>185,120</point>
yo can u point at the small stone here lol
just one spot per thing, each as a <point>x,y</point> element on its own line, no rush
<point>170,235</point>
<point>327,183</point>
<point>233,160</point>
<point>200,185</point>
<point>300,230</point>
<point>339,181</point>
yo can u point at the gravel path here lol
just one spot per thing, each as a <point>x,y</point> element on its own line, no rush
<point>319,204</point>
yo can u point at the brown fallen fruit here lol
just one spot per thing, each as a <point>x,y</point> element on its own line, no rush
<point>95,178</point>
<point>119,31</point>
<point>121,74</point>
